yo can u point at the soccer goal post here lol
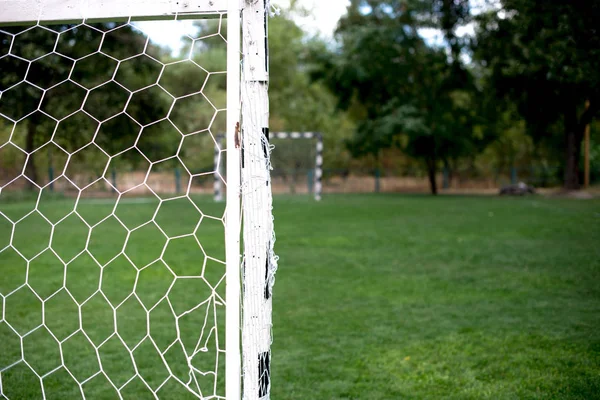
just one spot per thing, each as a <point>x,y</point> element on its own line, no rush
<point>123,287</point>
<point>289,160</point>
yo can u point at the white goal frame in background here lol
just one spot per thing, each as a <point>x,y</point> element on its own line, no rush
<point>248,179</point>
<point>318,176</point>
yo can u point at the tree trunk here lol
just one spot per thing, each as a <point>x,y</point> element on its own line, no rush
<point>574,132</point>
<point>30,169</point>
<point>572,155</point>
<point>431,170</point>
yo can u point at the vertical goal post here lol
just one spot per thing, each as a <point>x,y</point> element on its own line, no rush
<point>248,279</point>
<point>317,176</point>
<point>233,364</point>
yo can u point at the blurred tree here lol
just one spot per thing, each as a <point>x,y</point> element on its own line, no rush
<point>197,79</point>
<point>404,92</point>
<point>594,153</point>
<point>65,62</point>
<point>297,103</point>
<point>544,56</point>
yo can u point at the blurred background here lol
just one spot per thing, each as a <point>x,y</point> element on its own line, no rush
<point>410,96</point>
<point>443,95</point>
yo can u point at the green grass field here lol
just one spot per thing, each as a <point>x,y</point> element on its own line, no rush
<point>377,297</point>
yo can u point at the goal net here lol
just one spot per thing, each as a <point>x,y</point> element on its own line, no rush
<point>128,287</point>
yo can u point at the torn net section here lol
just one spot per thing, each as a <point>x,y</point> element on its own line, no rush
<point>112,259</point>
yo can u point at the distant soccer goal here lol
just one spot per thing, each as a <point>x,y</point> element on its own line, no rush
<point>296,161</point>
<point>124,287</point>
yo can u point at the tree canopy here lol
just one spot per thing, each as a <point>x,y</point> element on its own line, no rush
<point>57,83</point>
<point>544,56</point>
<point>404,92</point>
<point>531,62</point>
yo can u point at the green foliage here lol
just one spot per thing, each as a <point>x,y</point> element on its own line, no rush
<point>91,69</point>
<point>296,103</point>
<point>403,92</point>
<point>543,56</point>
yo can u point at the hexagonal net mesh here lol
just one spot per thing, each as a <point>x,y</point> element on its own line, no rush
<point>111,255</point>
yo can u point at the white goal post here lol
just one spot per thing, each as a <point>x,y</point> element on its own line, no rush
<point>249,275</point>
<point>317,177</point>
<point>49,11</point>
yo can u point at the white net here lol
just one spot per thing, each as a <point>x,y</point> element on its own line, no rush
<point>113,284</point>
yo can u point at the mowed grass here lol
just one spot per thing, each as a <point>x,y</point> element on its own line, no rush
<point>377,297</point>
<point>415,297</point>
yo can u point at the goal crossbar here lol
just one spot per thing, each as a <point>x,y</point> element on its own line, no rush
<point>65,11</point>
